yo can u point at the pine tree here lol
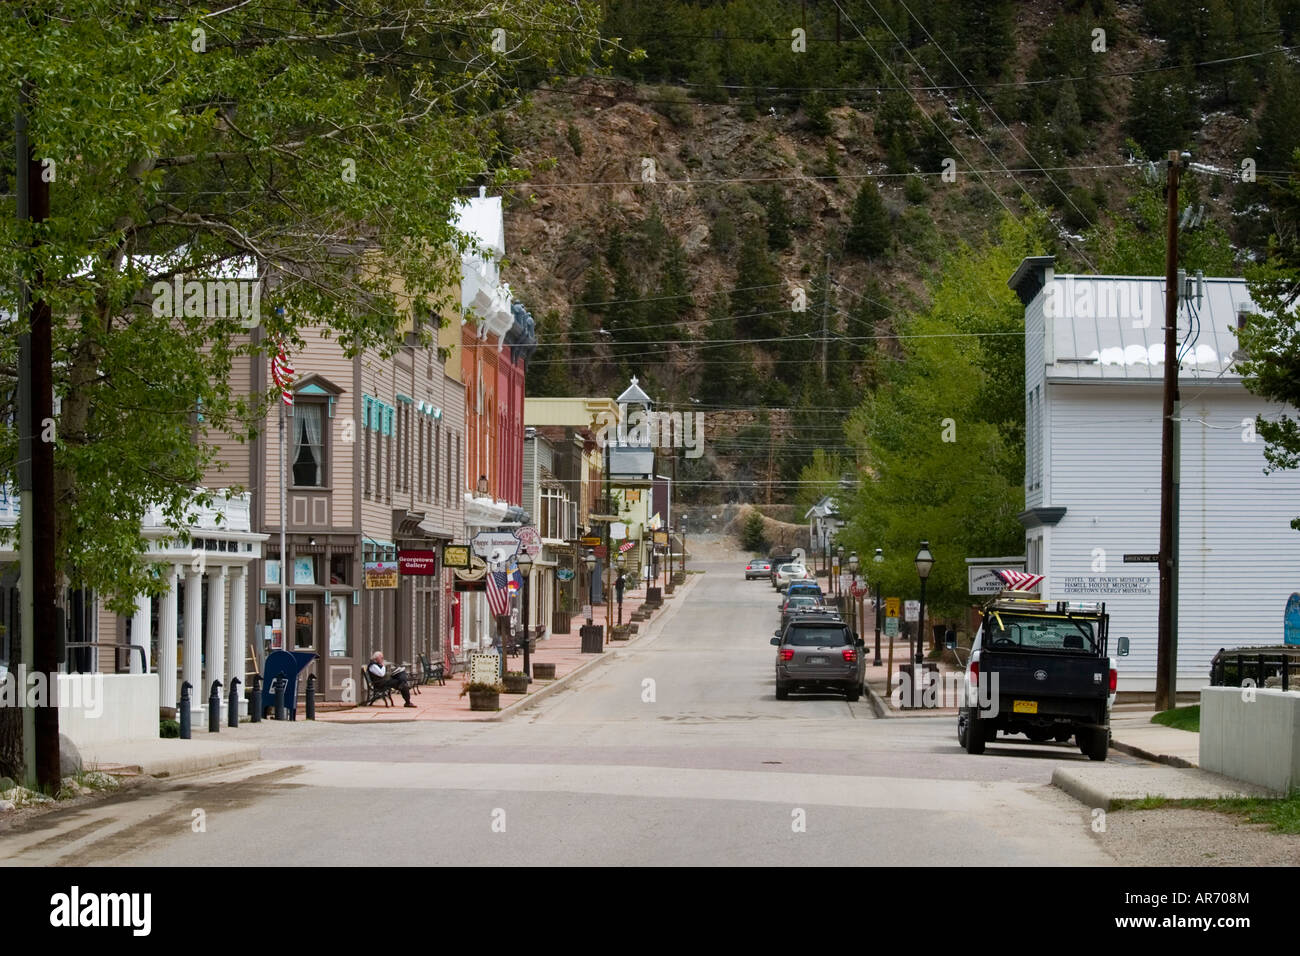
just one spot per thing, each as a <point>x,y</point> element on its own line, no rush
<point>757,301</point>
<point>778,218</point>
<point>869,229</point>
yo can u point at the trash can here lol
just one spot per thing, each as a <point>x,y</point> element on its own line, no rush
<point>914,692</point>
<point>593,638</point>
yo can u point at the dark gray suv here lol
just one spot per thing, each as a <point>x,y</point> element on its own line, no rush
<point>818,651</point>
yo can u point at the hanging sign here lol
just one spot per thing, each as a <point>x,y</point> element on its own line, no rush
<point>455,556</point>
<point>565,574</point>
<point>381,575</point>
<point>420,563</point>
<point>530,542</point>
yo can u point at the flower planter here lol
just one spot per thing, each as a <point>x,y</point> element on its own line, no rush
<point>544,671</point>
<point>620,632</point>
<point>516,685</point>
<point>484,700</point>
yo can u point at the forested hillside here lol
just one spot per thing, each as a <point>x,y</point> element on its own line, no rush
<point>759,198</point>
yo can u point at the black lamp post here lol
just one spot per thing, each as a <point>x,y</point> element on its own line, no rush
<point>853,572</point>
<point>924,562</point>
<point>590,561</point>
<point>525,563</point>
<point>878,559</point>
<point>617,591</point>
<point>683,544</point>
<point>839,563</point>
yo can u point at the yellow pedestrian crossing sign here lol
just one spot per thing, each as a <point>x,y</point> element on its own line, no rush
<point>892,606</point>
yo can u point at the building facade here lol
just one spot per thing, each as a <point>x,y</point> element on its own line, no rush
<point>1094,363</point>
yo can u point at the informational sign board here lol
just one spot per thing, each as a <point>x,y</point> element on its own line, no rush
<point>484,668</point>
<point>911,611</point>
<point>530,542</point>
<point>1108,584</point>
<point>381,575</point>
<point>1291,620</point>
<point>661,537</point>
<point>591,542</point>
<point>983,580</point>
<point>455,556</point>
<point>1141,559</point>
<point>419,563</point>
<point>891,627</point>
<point>485,542</point>
<point>893,607</point>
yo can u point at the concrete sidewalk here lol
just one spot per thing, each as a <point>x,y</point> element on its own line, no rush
<point>173,757</point>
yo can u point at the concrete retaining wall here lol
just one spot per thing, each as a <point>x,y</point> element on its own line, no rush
<point>1252,734</point>
<point>108,708</point>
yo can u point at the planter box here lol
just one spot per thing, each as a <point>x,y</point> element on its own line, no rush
<point>560,622</point>
<point>484,700</point>
<point>544,671</point>
<point>620,633</point>
<point>679,577</point>
<point>516,685</point>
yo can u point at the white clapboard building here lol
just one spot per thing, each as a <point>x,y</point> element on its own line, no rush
<point>1094,364</point>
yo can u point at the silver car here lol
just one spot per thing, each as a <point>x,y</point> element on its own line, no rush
<point>818,651</point>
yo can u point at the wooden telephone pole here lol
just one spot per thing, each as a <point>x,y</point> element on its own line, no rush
<point>1167,621</point>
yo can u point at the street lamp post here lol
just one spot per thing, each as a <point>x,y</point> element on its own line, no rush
<point>878,559</point>
<point>525,562</point>
<point>924,562</point>
<point>683,548</point>
<point>617,592</point>
<point>839,564</point>
<point>590,561</point>
<point>853,572</point>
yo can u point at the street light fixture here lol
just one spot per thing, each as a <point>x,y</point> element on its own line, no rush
<point>683,526</point>
<point>878,559</point>
<point>853,576</point>
<point>525,562</point>
<point>590,561</point>
<point>621,563</point>
<point>924,562</point>
<point>839,553</point>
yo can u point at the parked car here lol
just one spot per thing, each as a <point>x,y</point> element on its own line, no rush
<point>758,569</point>
<point>792,572</point>
<point>1053,674</point>
<point>776,560</point>
<point>818,651</point>
<point>804,587</point>
<point>799,602</point>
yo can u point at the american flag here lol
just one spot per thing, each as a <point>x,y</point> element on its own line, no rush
<point>501,585</point>
<point>282,373</point>
<point>1020,580</point>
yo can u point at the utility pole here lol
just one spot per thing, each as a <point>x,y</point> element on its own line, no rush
<point>826,305</point>
<point>40,619</point>
<point>1167,621</point>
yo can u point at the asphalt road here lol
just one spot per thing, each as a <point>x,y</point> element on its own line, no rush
<point>675,752</point>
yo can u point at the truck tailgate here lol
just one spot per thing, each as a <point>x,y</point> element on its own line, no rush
<point>1044,675</point>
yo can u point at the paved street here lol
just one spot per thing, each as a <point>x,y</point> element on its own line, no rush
<point>674,752</point>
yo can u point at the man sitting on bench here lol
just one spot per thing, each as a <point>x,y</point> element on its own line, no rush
<point>383,680</point>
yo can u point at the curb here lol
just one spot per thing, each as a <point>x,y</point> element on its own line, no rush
<point>611,654</point>
<point>1090,796</point>
<point>184,765</point>
<point>1167,759</point>
<point>878,706</point>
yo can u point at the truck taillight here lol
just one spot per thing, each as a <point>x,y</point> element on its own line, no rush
<point>787,653</point>
<point>974,672</point>
<point>1114,679</point>
<point>850,655</point>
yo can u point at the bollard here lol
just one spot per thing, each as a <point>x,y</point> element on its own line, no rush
<point>255,700</point>
<point>311,697</point>
<point>184,708</point>
<point>232,715</point>
<point>214,708</point>
<point>278,686</point>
